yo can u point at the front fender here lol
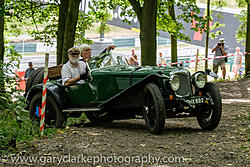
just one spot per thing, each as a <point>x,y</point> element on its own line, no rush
<point>56,91</point>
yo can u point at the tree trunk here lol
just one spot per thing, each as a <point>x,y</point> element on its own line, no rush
<point>70,28</point>
<point>2,89</point>
<point>207,36</point>
<point>247,59</point>
<point>172,37</point>
<point>1,30</point>
<point>148,33</point>
<point>63,10</point>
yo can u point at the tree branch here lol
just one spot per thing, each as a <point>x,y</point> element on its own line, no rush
<point>137,8</point>
<point>32,15</point>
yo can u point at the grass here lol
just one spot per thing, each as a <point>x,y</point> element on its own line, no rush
<point>114,32</point>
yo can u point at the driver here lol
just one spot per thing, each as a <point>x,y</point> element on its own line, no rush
<point>74,71</point>
<point>86,51</point>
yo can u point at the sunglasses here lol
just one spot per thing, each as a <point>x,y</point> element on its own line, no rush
<point>75,53</point>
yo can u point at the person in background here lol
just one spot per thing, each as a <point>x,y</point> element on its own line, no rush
<point>237,61</point>
<point>133,58</point>
<point>74,71</point>
<point>161,60</point>
<point>28,71</point>
<point>220,49</point>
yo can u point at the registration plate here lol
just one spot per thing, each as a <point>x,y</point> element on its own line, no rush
<point>199,100</point>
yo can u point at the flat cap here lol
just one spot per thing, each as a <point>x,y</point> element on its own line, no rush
<point>73,50</point>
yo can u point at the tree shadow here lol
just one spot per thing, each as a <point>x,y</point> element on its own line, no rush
<point>138,126</point>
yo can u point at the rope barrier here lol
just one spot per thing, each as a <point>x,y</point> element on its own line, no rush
<point>217,57</point>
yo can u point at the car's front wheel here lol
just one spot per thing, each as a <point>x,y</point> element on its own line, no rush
<point>209,116</point>
<point>154,109</point>
<point>53,114</point>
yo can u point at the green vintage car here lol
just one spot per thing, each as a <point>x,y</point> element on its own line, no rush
<point>119,91</point>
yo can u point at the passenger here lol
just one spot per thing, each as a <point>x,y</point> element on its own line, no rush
<point>86,51</point>
<point>74,71</point>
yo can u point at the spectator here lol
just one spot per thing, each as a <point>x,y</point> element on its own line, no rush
<point>133,58</point>
<point>74,71</point>
<point>237,61</point>
<point>161,60</point>
<point>220,49</point>
<point>28,71</point>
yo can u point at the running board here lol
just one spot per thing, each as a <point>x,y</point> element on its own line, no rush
<point>69,110</point>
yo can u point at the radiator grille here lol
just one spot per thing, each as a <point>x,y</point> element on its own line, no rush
<point>185,85</point>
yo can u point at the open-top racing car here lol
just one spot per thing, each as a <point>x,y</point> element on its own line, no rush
<point>119,91</point>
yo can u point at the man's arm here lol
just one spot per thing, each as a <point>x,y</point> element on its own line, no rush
<point>72,81</point>
<point>111,47</point>
<point>214,49</point>
<point>132,57</point>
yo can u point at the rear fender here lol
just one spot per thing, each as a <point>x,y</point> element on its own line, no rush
<point>133,96</point>
<point>57,92</point>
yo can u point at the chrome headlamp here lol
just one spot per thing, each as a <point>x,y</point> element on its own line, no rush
<point>175,82</point>
<point>199,80</point>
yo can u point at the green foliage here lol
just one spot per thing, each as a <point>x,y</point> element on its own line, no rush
<point>76,121</point>
<point>219,3</point>
<point>241,3</point>
<point>101,11</point>
<point>217,27</point>
<point>40,20</point>
<point>84,23</point>
<point>241,32</point>
<point>164,21</point>
<point>15,125</point>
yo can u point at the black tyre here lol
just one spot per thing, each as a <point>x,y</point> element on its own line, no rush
<point>31,78</point>
<point>210,115</point>
<point>53,114</point>
<point>154,109</point>
<point>38,79</point>
<point>99,117</point>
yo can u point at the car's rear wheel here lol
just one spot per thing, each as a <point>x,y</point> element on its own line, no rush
<point>209,117</point>
<point>99,117</point>
<point>53,114</point>
<point>154,109</point>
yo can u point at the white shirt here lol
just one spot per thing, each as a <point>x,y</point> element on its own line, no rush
<point>69,71</point>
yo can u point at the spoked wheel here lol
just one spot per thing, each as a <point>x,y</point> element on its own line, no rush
<point>154,109</point>
<point>99,117</point>
<point>209,117</point>
<point>53,115</point>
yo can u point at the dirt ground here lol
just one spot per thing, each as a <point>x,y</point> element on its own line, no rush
<point>128,142</point>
